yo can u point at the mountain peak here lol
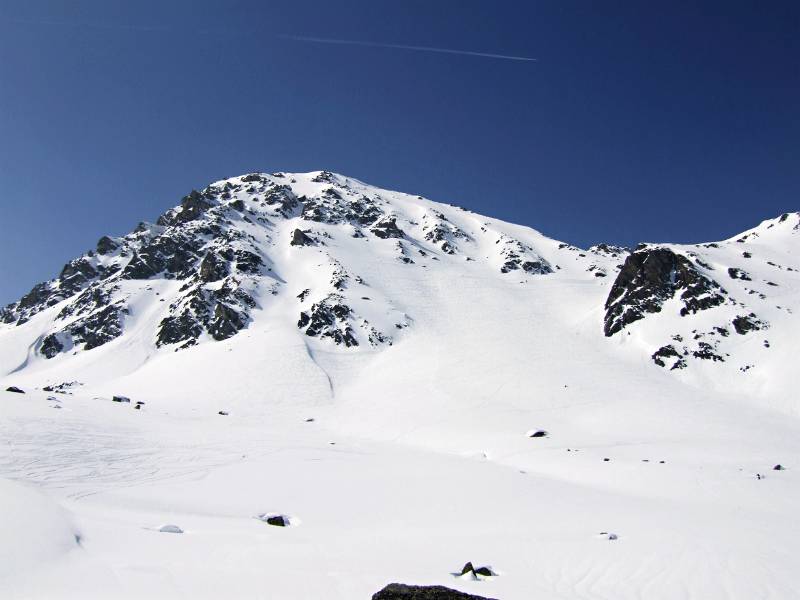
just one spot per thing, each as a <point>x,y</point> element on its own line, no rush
<point>342,266</point>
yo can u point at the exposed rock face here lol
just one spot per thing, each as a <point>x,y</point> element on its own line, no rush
<point>518,256</point>
<point>329,319</point>
<point>387,228</point>
<point>650,277</point>
<point>301,239</point>
<point>745,324</point>
<point>399,591</point>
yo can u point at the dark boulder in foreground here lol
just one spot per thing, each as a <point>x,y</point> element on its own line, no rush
<point>399,591</point>
<point>15,389</point>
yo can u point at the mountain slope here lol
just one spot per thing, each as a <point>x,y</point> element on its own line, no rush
<point>334,263</point>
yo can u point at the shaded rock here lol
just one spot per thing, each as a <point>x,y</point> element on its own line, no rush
<point>745,324</point>
<point>277,520</point>
<point>778,468</point>
<point>651,276</point>
<point>329,319</point>
<point>387,228</point>
<point>301,239</point>
<point>192,206</point>
<point>399,591</point>
<point>213,267</point>
<point>106,245</point>
<point>664,352</point>
<point>15,389</point>
<point>51,346</point>
<point>226,323</point>
<point>739,274</point>
<point>121,399</point>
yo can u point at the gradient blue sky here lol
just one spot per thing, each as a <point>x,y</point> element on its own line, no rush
<point>640,121</point>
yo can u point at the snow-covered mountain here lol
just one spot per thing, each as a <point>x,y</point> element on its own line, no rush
<point>349,267</point>
<point>353,338</point>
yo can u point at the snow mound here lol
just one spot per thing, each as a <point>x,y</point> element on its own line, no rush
<point>35,529</point>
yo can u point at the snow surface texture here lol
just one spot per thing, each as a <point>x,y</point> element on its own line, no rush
<point>374,366</point>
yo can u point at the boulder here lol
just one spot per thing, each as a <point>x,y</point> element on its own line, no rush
<point>121,399</point>
<point>300,239</point>
<point>15,389</point>
<point>399,591</point>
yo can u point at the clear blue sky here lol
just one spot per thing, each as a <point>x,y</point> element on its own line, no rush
<point>641,121</point>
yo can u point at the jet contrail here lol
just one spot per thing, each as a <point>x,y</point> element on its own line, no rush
<point>302,38</point>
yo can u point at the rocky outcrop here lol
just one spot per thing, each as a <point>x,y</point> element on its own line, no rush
<point>387,228</point>
<point>329,318</point>
<point>299,238</point>
<point>399,591</point>
<point>650,277</point>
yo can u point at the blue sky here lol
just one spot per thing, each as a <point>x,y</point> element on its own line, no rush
<point>639,121</point>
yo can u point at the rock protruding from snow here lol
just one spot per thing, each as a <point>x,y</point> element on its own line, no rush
<point>400,591</point>
<point>649,278</point>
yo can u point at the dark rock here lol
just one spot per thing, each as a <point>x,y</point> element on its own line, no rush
<point>399,591</point>
<point>650,277</point>
<point>538,434</point>
<point>139,268</point>
<point>192,206</point>
<point>301,239</point>
<point>664,352</point>
<point>223,413</point>
<point>739,274</point>
<point>227,322</point>
<point>778,468</point>
<point>329,319</point>
<point>387,228</point>
<point>745,324</point>
<point>248,262</point>
<point>277,521</point>
<point>180,328</point>
<point>51,346</point>
<point>106,245</point>
<point>213,267</point>
<point>15,389</point>
<point>121,399</point>
<point>706,351</point>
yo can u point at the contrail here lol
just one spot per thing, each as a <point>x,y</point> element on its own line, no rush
<point>302,38</point>
<point>297,38</point>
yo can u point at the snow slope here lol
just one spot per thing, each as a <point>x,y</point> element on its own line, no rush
<point>425,342</point>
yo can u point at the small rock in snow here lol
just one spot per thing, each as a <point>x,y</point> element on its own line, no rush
<point>537,433</point>
<point>170,529</point>
<point>15,389</point>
